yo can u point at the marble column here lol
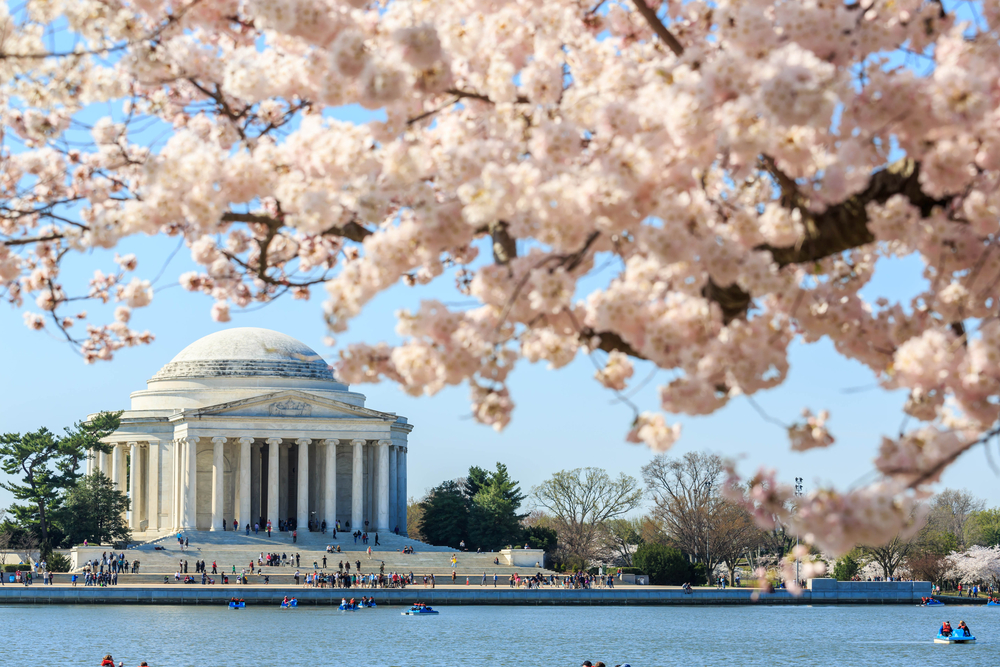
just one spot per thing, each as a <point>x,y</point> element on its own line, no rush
<point>191,478</point>
<point>302,505</point>
<point>106,459</point>
<point>330,490</point>
<point>90,462</point>
<point>153,487</point>
<point>218,480</point>
<point>244,482</point>
<point>116,466</point>
<point>382,468</point>
<point>392,487</point>
<point>175,484</point>
<point>143,484</point>
<point>273,445</point>
<point>401,490</point>
<point>357,485</point>
<point>133,485</point>
<point>284,482</point>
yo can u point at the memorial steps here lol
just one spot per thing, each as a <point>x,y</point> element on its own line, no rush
<point>229,548</point>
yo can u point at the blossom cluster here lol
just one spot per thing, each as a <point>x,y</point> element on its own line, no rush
<point>697,204</point>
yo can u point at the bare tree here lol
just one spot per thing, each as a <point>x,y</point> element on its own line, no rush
<point>619,540</point>
<point>951,510</point>
<point>733,534</point>
<point>581,501</point>
<point>685,496</point>
<point>891,555</point>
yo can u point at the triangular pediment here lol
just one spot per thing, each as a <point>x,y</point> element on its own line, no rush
<point>290,404</point>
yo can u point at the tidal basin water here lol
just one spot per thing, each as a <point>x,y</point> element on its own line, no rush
<point>539,636</point>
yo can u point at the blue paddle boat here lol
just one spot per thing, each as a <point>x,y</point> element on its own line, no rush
<point>233,604</point>
<point>348,607</point>
<point>289,604</point>
<point>419,609</point>
<point>991,603</point>
<point>954,638</point>
<point>931,602</point>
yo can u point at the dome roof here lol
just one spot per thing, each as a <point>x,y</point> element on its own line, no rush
<point>246,352</point>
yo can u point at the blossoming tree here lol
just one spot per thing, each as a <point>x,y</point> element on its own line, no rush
<point>729,174</point>
<point>977,565</point>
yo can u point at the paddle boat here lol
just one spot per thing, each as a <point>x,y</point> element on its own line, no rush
<point>991,603</point>
<point>237,604</point>
<point>955,638</point>
<point>288,604</point>
<point>370,604</point>
<point>419,609</point>
<point>931,602</point>
<point>348,607</point>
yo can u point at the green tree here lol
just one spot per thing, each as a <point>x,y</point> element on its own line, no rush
<point>475,480</point>
<point>984,527</point>
<point>540,537</point>
<point>665,565</point>
<point>493,519</point>
<point>846,568</point>
<point>445,520</point>
<point>94,511</point>
<point>48,465</point>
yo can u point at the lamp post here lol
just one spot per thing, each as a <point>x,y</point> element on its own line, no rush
<point>708,537</point>
<point>798,492</point>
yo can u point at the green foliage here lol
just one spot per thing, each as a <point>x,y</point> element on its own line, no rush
<point>46,466</point>
<point>56,562</point>
<point>483,511</point>
<point>846,568</point>
<point>984,528</point>
<point>14,567</point>
<point>664,565</point>
<point>541,537</point>
<point>94,511</point>
<point>446,516</point>
<point>493,518</point>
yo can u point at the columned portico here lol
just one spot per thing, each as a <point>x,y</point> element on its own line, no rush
<point>250,425</point>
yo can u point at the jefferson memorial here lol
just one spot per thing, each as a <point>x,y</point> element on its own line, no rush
<point>250,425</point>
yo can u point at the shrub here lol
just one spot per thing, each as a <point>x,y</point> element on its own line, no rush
<point>665,566</point>
<point>57,562</point>
<point>846,568</point>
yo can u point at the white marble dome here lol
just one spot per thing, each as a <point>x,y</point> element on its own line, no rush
<point>246,352</point>
<point>236,364</point>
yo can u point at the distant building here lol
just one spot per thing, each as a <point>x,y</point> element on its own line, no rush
<point>250,424</point>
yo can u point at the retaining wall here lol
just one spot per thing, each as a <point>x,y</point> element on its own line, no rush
<point>872,593</point>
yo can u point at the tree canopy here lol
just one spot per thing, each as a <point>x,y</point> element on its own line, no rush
<point>723,176</point>
<point>94,510</point>
<point>47,466</point>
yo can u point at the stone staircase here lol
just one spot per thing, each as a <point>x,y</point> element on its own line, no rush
<point>230,549</point>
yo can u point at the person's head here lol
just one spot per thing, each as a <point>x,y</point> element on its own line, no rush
<point>108,657</point>
<point>586,663</point>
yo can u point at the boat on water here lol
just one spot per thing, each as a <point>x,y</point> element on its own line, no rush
<point>931,602</point>
<point>349,607</point>
<point>419,609</point>
<point>991,603</point>
<point>954,638</point>
<point>289,604</point>
<point>237,605</point>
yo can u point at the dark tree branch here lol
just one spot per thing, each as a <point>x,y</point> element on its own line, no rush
<point>657,25</point>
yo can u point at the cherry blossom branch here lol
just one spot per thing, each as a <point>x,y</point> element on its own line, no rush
<point>661,30</point>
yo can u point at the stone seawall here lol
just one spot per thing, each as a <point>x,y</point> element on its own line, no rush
<point>845,593</point>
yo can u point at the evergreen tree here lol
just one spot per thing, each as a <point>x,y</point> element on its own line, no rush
<point>493,519</point>
<point>475,480</point>
<point>48,465</point>
<point>446,515</point>
<point>94,510</point>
